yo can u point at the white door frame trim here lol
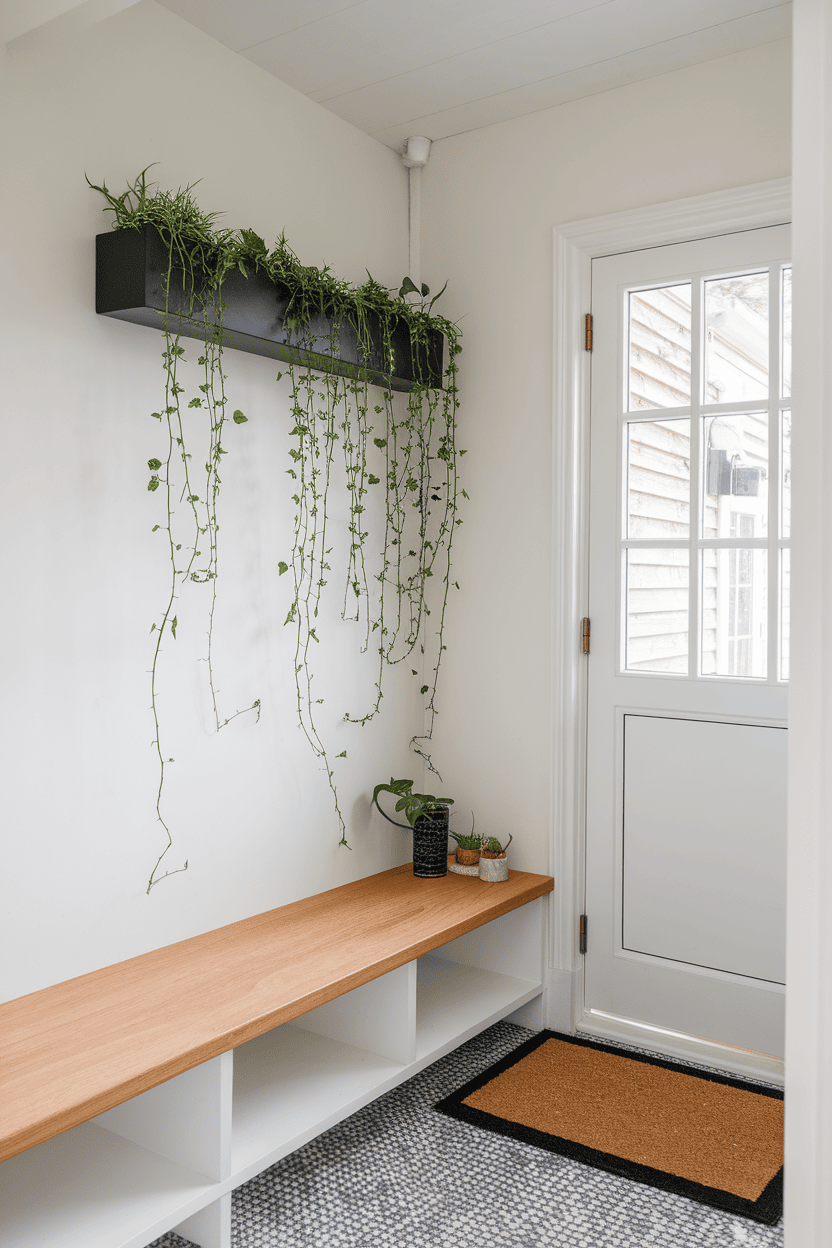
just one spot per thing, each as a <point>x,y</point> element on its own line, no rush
<point>576,244</point>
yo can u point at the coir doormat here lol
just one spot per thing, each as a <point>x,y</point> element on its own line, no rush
<point>709,1137</point>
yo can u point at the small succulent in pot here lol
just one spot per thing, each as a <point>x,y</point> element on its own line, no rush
<point>468,847</point>
<point>427,816</point>
<point>490,847</point>
<point>493,862</point>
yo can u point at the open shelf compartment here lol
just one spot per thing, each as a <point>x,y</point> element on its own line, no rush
<point>290,1085</point>
<point>91,1188</point>
<point>455,1002</point>
<point>299,1079</point>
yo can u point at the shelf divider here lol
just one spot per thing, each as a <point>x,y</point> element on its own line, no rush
<point>379,1017</point>
<point>187,1119</point>
<point>211,1227</point>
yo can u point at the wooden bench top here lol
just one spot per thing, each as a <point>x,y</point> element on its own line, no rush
<point>71,1051</point>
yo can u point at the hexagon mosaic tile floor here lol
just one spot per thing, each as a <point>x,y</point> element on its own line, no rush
<point>399,1175</point>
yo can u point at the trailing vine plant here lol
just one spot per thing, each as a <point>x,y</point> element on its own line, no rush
<point>198,258</point>
<point>405,450</point>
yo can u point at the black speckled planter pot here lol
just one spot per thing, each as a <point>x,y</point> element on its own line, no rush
<point>430,845</point>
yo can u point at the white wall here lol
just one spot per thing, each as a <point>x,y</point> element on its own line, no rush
<point>82,574</point>
<point>809,870</point>
<point>84,577</point>
<point>490,201</point>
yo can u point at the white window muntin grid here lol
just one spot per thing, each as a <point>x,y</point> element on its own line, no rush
<point>774,542</point>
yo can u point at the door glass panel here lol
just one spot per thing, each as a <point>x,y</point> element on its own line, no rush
<point>657,611</point>
<point>735,607</point>
<point>735,462</point>
<point>786,335</point>
<point>736,338</point>
<point>786,481</point>
<point>785,585</point>
<point>658,479</point>
<point>659,347</point>
<point>734,632</point>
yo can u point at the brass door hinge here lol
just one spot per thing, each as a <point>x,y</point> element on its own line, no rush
<point>588,332</point>
<point>585,635</point>
<point>582,935</point>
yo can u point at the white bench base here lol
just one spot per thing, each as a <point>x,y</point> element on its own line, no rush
<point>170,1158</point>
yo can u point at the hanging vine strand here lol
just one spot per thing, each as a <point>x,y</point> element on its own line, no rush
<point>197,261</point>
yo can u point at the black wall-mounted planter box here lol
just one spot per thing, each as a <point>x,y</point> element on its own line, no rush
<point>130,264</point>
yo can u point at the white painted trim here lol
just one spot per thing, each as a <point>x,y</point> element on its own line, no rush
<point>808,1190</point>
<point>743,1062</point>
<point>681,220</point>
<point>576,244</point>
<point>570,519</point>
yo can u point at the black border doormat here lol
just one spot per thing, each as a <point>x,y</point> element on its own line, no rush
<point>767,1208</point>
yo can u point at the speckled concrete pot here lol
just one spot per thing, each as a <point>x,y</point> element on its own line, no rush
<point>493,870</point>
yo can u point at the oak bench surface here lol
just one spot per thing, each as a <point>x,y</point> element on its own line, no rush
<point>80,1047</point>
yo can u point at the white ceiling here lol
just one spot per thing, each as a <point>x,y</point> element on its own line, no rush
<point>395,68</point>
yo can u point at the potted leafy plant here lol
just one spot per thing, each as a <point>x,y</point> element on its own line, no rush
<point>493,861</point>
<point>427,817</point>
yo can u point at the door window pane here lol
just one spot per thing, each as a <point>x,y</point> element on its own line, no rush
<point>735,473</point>
<point>658,479</point>
<point>736,338</point>
<point>786,480</point>
<point>786,335</point>
<point>657,611</point>
<point>736,609</point>
<point>734,632</point>
<point>659,338</point>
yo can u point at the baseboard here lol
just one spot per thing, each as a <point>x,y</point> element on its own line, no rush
<point>744,1062</point>
<point>557,1007</point>
<point>563,999</point>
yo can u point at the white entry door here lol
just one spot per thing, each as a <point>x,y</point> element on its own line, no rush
<point>689,580</point>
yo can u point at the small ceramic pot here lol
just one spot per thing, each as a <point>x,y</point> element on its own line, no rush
<point>456,869</point>
<point>493,870</point>
<point>467,857</point>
